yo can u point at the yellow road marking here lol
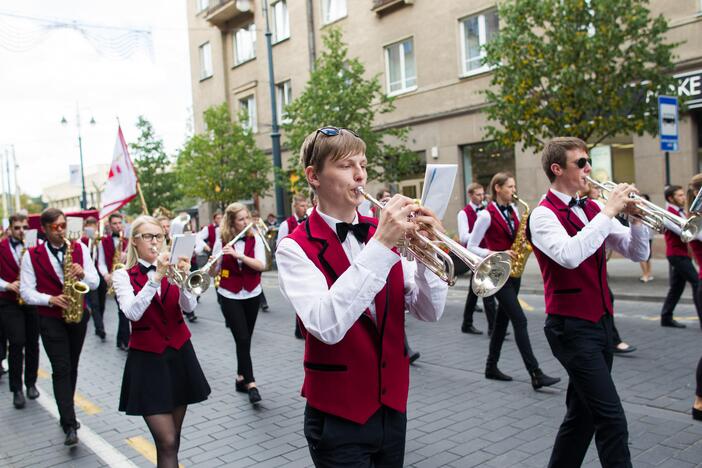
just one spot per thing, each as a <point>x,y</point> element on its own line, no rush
<point>656,318</point>
<point>525,306</point>
<point>145,448</point>
<point>81,402</point>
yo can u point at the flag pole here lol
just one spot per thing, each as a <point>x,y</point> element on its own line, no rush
<point>144,209</point>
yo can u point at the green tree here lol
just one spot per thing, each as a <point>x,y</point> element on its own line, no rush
<point>338,94</point>
<point>585,68</point>
<point>155,170</point>
<point>223,164</point>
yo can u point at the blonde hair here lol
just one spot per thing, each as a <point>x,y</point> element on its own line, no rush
<point>318,148</point>
<point>693,187</point>
<point>226,227</point>
<point>132,255</point>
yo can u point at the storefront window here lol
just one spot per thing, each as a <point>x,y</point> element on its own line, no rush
<point>613,162</point>
<point>481,161</point>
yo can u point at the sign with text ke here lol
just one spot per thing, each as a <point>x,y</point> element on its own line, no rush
<point>668,123</point>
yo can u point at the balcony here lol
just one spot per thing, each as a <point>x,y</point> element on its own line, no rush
<point>224,11</point>
<point>381,7</point>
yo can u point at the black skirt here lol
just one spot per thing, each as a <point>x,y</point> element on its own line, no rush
<point>159,383</point>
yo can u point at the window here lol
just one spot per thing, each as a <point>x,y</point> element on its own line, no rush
<point>248,105</point>
<point>205,61</point>
<point>202,5</point>
<point>476,31</point>
<point>283,98</point>
<point>332,10</point>
<point>245,44</point>
<point>281,23</point>
<point>400,67</point>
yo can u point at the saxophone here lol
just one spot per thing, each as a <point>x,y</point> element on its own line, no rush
<point>521,246</point>
<point>73,289</point>
<point>116,263</point>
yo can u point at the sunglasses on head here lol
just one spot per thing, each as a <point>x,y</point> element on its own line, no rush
<point>582,162</point>
<point>329,132</point>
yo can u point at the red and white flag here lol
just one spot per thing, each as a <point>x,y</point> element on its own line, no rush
<point>121,187</point>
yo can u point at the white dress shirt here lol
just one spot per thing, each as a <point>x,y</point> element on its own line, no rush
<point>28,281</point>
<point>549,236</point>
<point>283,229</point>
<point>201,239</point>
<point>463,226</point>
<point>133,306</point>
<point>328,313</point>
<point>16,253</point>
<point>481,226</point>
<point>102,264</point>
<point>259,254</point>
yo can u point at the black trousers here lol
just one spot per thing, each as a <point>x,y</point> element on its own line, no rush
<point>509,310</point>
<point>681,271</point>
<point>593,406</point>
<point>240,316</point>
<point>123,330</point>
<point>22,330</point>
<point>698,392</point>
<point>102,295</point>
<point>63,343</point>
<point>97,308</point>
<point>488,307</point>
<point>336,442</point>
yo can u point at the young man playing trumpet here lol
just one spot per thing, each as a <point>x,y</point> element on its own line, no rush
<point>42,285</point>
<point>349,288</point>
<point>568,234</point>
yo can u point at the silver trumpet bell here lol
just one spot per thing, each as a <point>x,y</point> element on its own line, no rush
<point>655,217</point>
<point>489,273</point>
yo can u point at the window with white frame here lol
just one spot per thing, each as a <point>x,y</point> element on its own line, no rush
<point>332,10</point>
<point>281,23</point>
<point>400,67</point>
<point>244,44</point>
<point>476,31</point>
<point>248,106</point>
<point>283,98</point>
<point>205,61</point>
<point>202,5</point>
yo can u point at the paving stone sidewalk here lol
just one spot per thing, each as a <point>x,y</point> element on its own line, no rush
<point>456,417</point>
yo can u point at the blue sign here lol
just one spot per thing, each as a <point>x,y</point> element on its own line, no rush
<point>668,123</point>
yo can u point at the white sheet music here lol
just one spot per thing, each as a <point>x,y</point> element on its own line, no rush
<point>438,185</point>
<point>183,246</point>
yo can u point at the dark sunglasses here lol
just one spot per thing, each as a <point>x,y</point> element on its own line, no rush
<point>327,131</point>
<point>582,162</point>
<point>20,228</point>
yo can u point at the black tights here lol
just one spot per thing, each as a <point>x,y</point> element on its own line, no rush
<point>165,429</point>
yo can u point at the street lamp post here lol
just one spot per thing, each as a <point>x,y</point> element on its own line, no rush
<point>84,196</point>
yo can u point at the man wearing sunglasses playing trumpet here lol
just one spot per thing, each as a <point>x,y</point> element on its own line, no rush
<point>349,288</point>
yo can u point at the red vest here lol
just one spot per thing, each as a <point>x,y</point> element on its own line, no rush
<point>211,235</point>
<point>581,292</point>
<point>292,224</point>
<point>696,247</point>
<point>48,282</point>
<point>368,367</point>
<point>162,324</point>
<point>498,236</point>
<point>108,247</point>
<point>9,269</point>
<point>234,278</point>
<point>471,215</point>
<point>674,246</point>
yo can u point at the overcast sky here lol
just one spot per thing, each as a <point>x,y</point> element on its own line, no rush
<point>43,82</point>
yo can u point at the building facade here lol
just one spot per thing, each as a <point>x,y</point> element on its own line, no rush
<point>66,195</point>
<point>428,55</point>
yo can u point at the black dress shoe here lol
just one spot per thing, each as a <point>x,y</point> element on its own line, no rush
<point>672,323</point>
<point>191,316</point>
<point>102,335</point>
<point>32,392</point>
<point>414,355</point>
<point>626,349</point>
<point>71,437</point>
<point>123,347</point>
<point>478,309</point>
<point>240,386</point>
<point>470,329</point>
<point>696,414</point>
<point>539,379</point>
<point>265,307</point>
<point>254,396</point>
<point>18,399</point>
<point>493,373</point>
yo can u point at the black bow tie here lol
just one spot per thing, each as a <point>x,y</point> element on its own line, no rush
<point>479,208</point>
<point>360,231</point>
<point>55,251</point>
<point>145,269</point>
<point>505,208</point>
<point>14,242</point>
<point>581,202</point>
<point>302,220</point>
<point>115,234</point>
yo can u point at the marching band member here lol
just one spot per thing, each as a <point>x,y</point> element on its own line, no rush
<point>19,320</point>
<point>681,268</point>
<point>350,288</point>
<point>696,246</point>
<point>568,234</point>
<point>497,225</point>
<point>41,284</point>
<point>90,239</point>
<point>240,289</point>
<point>162,375</point>
<point>165,223</point>
<point>106,255</point>
<point>207,236</point>
<point>466,222</point>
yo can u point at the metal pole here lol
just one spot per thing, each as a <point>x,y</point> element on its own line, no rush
<point>84,198</point>
<point>9,184</point>
<point>275,133</point>
<point>667,169</point>
<point>17,190</point>
<point>2,178</point>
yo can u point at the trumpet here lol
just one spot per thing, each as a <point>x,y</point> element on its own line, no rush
<point>654,216</point>
<point>489,273</point>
